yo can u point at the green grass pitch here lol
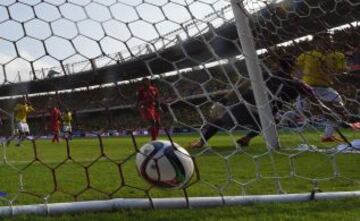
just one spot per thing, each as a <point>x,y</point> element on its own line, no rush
<point>85,171</point>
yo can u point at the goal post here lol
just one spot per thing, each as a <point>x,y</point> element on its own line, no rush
<point>255,73</point>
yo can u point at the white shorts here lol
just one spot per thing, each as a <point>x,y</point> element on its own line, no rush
<point>22,127</point>
<point>326,94</point>
<point>67,128</point>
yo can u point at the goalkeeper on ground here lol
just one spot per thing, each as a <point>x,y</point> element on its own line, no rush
<point>244,115</point>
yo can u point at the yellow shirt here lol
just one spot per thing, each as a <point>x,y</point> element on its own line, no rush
<point>21,112</point>
<point>313,68</point>
<point>67,118</point>
<point>319,68</point>
<point>335,62</point>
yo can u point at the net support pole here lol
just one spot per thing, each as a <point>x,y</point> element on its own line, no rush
<point>166,203</point>
<point>257,82</point>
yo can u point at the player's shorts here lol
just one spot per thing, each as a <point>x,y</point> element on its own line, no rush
<point>67,129</point>
<point>55,128</point>
<point>150,114</point>
<point>23,127</point>
<point>328,94</point>
<point>325,94</point>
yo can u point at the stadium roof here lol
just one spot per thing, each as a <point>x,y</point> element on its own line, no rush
<point>271,28</point>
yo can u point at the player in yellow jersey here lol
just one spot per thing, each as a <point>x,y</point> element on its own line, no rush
<point>21,112</point>
<point>318,68</point>
<point>67,128</point>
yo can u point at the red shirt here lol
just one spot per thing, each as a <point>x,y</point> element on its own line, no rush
<point>148,96</point>
<point>55,115</point>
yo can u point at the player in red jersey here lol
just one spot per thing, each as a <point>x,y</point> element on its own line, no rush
<point>148,105</point>
<point>55,117</point>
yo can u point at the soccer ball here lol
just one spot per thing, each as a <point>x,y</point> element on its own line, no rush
<point>162,165</point>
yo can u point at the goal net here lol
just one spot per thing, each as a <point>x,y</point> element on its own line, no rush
<point>262,93</point>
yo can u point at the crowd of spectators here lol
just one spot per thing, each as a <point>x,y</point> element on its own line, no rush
<point>113,107</point>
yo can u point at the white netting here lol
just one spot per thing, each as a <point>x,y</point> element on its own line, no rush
<point>90,56</point>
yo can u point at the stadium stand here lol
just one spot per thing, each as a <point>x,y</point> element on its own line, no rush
<point>110,106</point>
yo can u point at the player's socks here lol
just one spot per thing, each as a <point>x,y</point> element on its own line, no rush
<point>19,140</point>
<point>210,131</point>
<point>157,130</point>
<point>56,138</point>
<point>329,129</point>
<point>330,139</point>
<point>245,140</point>
<point>8,140</point>
<point>153,133</point>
